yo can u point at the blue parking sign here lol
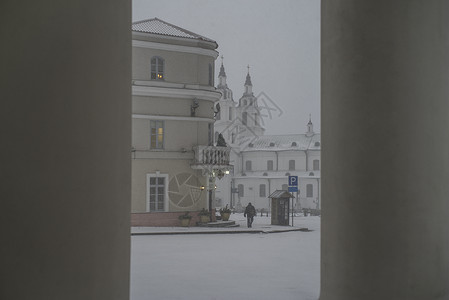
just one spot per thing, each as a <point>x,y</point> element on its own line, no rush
<point>292,180</point>
<point>292,184</point>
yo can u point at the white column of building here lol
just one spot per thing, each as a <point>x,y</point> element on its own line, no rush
<point>385,157</point>
<point>65,149</point>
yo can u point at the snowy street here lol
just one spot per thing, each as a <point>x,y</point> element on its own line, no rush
<point>228,266</point>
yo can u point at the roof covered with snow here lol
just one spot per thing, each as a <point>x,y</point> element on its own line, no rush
<point>285,142</point>
<point>278,174</point>
<point>281,194</point>
<point>158,26</point>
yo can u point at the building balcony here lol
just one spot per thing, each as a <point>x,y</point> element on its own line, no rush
<point>211,158</point>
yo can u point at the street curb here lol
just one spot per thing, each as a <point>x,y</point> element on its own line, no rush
<point>220,232</point>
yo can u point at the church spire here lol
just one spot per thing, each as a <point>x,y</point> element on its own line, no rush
<point>222,70</point>
<point>248,84</point>
<point>222,76</point>
<point>310,127</point>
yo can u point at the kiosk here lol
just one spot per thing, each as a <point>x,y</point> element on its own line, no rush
<point>280,207</point>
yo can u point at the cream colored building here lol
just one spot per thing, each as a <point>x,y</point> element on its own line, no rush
<point>173,97</point>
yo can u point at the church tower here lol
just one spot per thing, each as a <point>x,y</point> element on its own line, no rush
<point>310,127</point>
<point>249,112</point>
<point>225,108</point>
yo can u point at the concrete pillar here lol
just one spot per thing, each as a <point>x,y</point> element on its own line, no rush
<point>385,114</point>
<point>65,149</point>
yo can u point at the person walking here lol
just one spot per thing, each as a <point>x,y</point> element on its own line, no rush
<point>250,212</point>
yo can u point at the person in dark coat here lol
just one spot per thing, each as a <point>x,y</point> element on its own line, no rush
<point>250,212</point>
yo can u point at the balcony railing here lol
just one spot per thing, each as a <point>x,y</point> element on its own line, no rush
<point>211,156</point>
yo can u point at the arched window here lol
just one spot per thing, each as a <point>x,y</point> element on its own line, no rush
<point>262,190</point>
<point>157,68</point>
<point>241,190</point>
<point>291,165</point>
<point>316,164</point>
<point>216,136</point>
<point>218,115</point>
<point>309,190</point>
<point>244,118</point>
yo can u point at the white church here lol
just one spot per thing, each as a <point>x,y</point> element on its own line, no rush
<point>262,163</point>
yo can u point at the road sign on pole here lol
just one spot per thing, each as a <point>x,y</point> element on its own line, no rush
<point>292,184</point>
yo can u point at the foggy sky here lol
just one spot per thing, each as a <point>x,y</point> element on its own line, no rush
<point>279,40</point>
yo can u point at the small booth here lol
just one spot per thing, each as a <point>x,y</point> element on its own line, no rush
<point>280,207</point>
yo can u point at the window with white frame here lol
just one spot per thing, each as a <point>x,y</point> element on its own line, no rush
<point>262,190</point>
<point>309,190</point>
<point>316,164</point>
<point>157,68</point>
<point>156,192</point>
<point>270,165</point>
<point>156,134</point>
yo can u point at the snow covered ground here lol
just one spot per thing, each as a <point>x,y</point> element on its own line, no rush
<point>220,266</point>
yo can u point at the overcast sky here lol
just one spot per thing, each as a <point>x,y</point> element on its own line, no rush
<point>278,39</point>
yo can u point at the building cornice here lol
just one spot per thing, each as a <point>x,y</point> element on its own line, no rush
<point>172,92</point>
<point>175,48</point>
<point>172,118</point>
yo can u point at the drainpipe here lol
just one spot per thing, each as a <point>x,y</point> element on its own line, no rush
<point>277,161</point>
<point>269,193</point>
<point>307,160</point>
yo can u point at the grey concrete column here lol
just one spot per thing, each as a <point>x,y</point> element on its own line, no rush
<point>65,149</point>
<point>385,158</point>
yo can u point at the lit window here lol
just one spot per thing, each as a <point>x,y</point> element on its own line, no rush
<point>157,193</point>
<point>157,135</point>
<point>157,68</point>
